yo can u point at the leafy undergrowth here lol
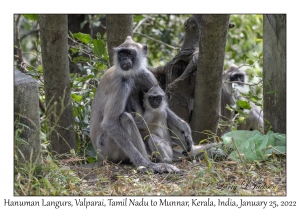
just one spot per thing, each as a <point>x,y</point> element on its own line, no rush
<point>197,178</point>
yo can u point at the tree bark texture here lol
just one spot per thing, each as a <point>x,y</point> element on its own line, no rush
<point>54,45</point>
<point>213,31</point>
<point>274,71</point>
<point>177,77</point>
<point>118,28</point>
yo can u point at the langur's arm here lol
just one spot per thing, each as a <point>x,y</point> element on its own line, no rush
<point>181,129</point>
<point>140,122</point>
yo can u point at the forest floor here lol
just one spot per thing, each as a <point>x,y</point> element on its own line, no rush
<point>196,178</point>
<point>205,177</point>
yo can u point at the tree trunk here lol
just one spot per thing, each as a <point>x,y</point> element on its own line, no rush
<point>213,35</point>
<point>54,45</point>
<point>118,28</point>
<point>274,72</point>
<point>177,77</point>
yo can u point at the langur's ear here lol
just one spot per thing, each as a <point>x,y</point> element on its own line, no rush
<point>233,67</point>
<point>128,39</point>
<point>115,49</point>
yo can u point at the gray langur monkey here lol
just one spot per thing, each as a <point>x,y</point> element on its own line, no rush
<point>234,81</point>
<point>153,126</point>
<point>160,140</point>
<point>114,133</point>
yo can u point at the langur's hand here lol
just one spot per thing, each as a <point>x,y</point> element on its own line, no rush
<point>189,142</point>
<point>159,168</point>
<point>187,136</point>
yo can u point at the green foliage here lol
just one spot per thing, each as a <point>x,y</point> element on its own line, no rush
<point>253,145</point>
<point>99,47</point>
<point>30,43</point>
<point>85,38</point>
<point>50,178</point>
<point>243,104</point>
<point>245,41</point>
<point>32,17</point>
<point>90,55</point>
<point>166,28</point>
<point>244,49</point>
<point>19,127</point>
<point>83,89</point>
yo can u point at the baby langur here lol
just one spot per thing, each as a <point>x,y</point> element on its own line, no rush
<point>153,126</point>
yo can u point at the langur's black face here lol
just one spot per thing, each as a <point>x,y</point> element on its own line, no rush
<point>126,58</point>
<point>155,101</point>
<point>237,77</point>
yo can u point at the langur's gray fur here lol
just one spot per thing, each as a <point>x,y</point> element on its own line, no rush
<point>114,133</point>
<point>153,126</point>
<point>232,88</point>
<point>154,129</point>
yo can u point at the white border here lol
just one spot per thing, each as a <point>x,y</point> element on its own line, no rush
<point>8,8</point>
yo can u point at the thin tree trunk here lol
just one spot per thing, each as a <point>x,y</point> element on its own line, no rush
<point>213,35</point>
<point>274,73</point>
<point>118,28</point>
<point>54,45</point>
<point>177,77</point>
